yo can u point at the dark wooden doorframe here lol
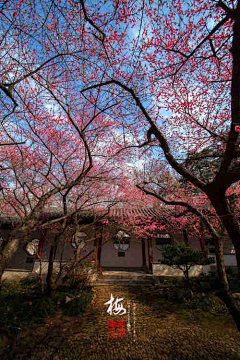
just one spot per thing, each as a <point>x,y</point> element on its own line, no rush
<point>41,243</point>
<point>150,253</point>
<point>143,253</point>
<point>185,235</point>
<point>99,244</point>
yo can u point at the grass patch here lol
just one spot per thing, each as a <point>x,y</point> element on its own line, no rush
<point>22,304</point>
<point>77,303</point>
<point>206,283</point>
<point>163,329</point>
<point>197,303</point>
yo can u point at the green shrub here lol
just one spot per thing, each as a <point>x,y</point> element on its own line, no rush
<point>79,304</point>
<point>16,311</point>
<point>11,289</point>
<point>183,257</point>
<point>176,281</point>
<point>204,286</point>
<point>229,271</point>
<point>234,283</point>
<point>210,283</point>
<point>62,291</point>
<point>217,307</point>
<point>205,283</point>
<point>30,284</point>
<point>198,301</point>
<point>22,304</point>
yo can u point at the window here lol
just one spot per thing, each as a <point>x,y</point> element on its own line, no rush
<point>121,241</point>
<point>228,248</point>
<point>162,240</point>
<point>121,254</point>
<point>210,245</point>
<point>32,247</point>
<point>78,239</point>
<point>211,250</point>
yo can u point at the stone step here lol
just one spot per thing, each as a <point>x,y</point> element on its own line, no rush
<point>118,277</point>
<point>116,269</point>
<point>127,283</point>
<point>117,284</point>
<point>122,281</point>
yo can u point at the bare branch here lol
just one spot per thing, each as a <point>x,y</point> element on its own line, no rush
<point>88,19</point>
<point>157,133</point>
<point>8,92</point>
<point>228,10</point>
<point>13,143</point>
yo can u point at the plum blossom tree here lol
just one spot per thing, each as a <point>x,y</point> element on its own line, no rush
<point>55,169</point>
<point>184,67</point>
<point>55,145</point>
<point>176,79</point>
<point>165,74</point>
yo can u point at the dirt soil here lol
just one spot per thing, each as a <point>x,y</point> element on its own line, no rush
<point>159,333</point>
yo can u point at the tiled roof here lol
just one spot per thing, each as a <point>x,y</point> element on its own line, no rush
<point>137,212</point>
<point>113,213</point>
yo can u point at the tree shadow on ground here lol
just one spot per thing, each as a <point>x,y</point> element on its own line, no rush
<point>161,334</point>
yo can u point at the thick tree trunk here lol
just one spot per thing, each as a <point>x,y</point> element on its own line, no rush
<point>186,274</point>
<point>221,270</point>
<point>223,293</point>
<point>6,255</point>
<point>237,252</point>
<point>49,282</point>
<point>230,302</point>
<point>230,223</point>
<point>219,199</point>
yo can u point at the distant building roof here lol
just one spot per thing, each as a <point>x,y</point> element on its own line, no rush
<point>123,213</point>
<point>135,212</point>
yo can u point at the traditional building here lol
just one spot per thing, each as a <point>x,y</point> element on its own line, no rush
<point>125,238</point>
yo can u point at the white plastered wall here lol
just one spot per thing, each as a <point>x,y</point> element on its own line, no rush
<point>109,255</point>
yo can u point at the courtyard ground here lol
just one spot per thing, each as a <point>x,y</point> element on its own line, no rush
<point>161,332</point>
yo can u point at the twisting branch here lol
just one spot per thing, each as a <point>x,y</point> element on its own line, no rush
<point>216,27</point>
<point>189,207</point>
<point>228,10</point>
<point>90,21</point>
<point>8,92</point>
<point>156,132</point>
<point>212,47</point>
<point>30,73</point>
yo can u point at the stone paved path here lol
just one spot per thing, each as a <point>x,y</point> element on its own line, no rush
<point>160,334</point>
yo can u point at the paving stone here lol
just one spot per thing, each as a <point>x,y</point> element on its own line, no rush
<point>159,333</point>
